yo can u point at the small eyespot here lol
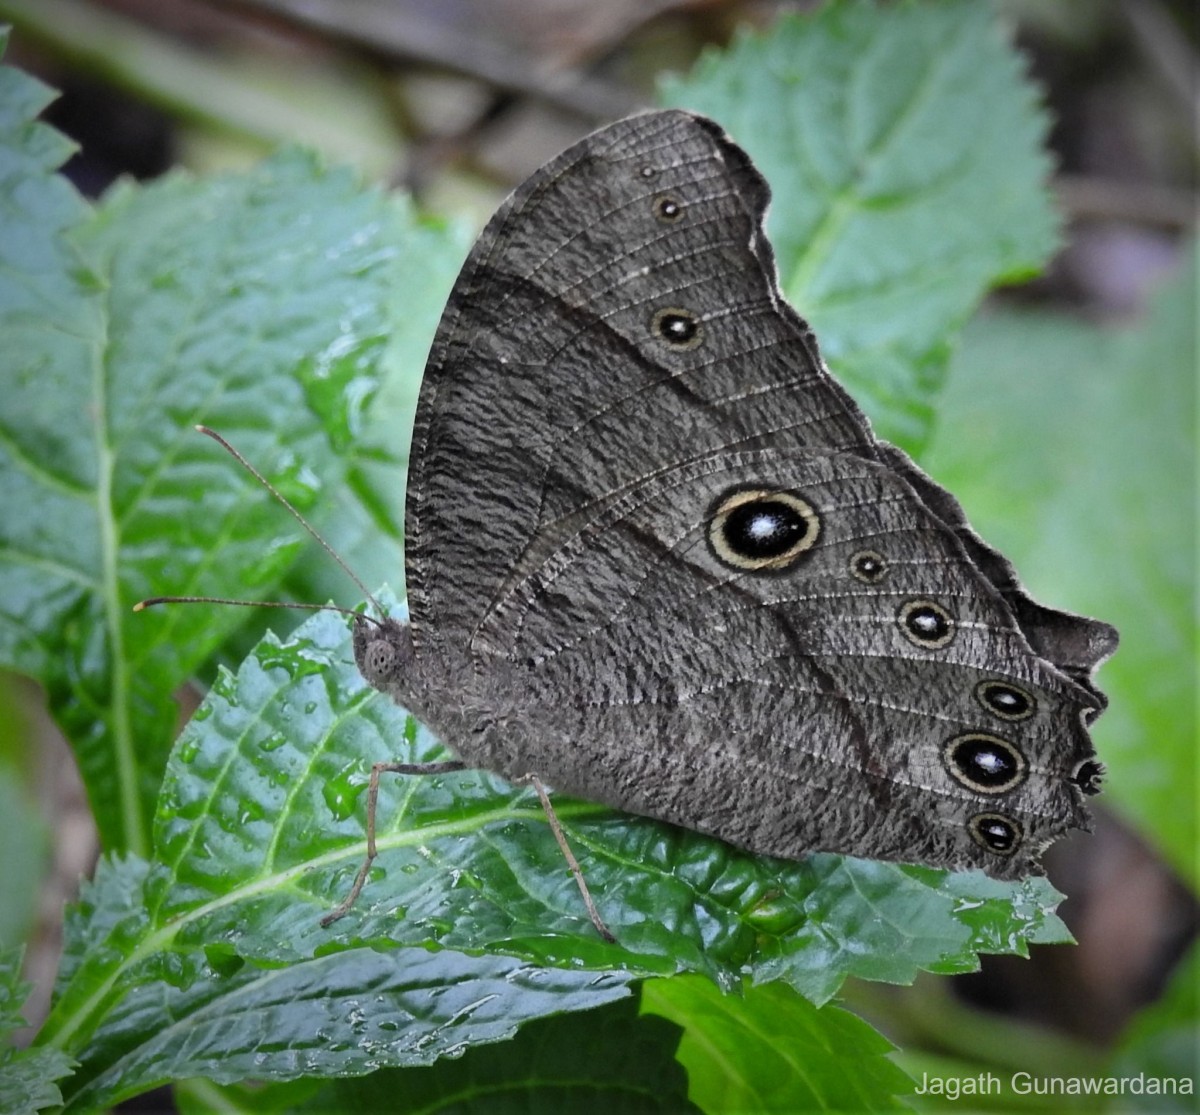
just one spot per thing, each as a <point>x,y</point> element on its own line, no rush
<point>995,832</point>
<point>678,328</point>
<point>926,623</point>
<point>1088,775</point>
<point>868,566</point>
<point>984,763</point>
<point>668,209</point>
<point>649,171</point>
<point>762,530</point>
<point>1005,700</point>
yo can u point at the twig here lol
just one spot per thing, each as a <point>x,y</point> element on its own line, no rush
<point>377,28</point>
<point>1168,51</point>
<point>1136,202</point>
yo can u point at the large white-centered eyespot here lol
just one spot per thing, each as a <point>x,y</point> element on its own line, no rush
<point>995,832</point>
<point>762,529</point>
<point>925,623</point>
<point>1005,700</point>
<point>677,328</point>
<point>985,763</point>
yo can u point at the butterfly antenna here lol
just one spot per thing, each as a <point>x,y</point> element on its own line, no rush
<point>301,520</point>
<point>295,514</point>
<point>142,605</point>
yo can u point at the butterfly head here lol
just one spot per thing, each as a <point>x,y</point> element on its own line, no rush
<point>383,649</point>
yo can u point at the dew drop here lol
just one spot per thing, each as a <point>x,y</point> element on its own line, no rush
<point>189,748</point>
<point>342,791</point>
<point>251,811</point>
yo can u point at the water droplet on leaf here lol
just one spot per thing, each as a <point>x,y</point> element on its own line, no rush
<point>342,791</point>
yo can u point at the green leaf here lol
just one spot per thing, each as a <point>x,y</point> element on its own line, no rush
<point>187,1005</point>
<point>904,151</point>
<point>50,322</point>
<point>27,1076</point>
<point>260,828</point>
<point>771,1050</point>
<point>591,1063</point>
<point>1080,465</point>
<point>261,304</point>
<point>1161,1043</point>
<point>369,528</point>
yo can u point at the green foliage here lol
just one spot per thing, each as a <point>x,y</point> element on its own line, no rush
<point>27,1077</point>
<point>289,307</point>
<point>607,1060</point>
<point>904,153</point>
<point>23,830</point>
<point>771,1050</point>
<point>260,304</point>
<point>200,1009</point>
<point>1162,1041</point>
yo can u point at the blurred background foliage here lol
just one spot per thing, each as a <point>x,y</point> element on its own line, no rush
<point>457,101</point>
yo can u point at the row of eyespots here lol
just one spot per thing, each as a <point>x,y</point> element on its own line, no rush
<point>1002,834</point>
<point>983,762</point>
<point>760,530</point>
<point>768,530</point>
<point>674,326</point>
<point>990,764</point>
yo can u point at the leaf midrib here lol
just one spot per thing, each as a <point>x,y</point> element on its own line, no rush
<point>129,811</point>
<point>159,939</point>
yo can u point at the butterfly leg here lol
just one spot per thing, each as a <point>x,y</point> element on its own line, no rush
<point>572,862</point>
<point>372,801</point>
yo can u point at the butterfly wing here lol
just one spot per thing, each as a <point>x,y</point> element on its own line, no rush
<point>559,377</point>
<point>890,707</point>
<point>671,568</point>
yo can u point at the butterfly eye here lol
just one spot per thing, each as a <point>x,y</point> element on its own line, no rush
<point>1087,776</point>
<point>761,530</point>
<point>925,623</point>
<point>379,659</point>
<point>1005,700</point>
<point>667,209</point>
<point>677,328</point>
<point>984,763</point>
<point>995,832</point>
<point>868,566</point>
